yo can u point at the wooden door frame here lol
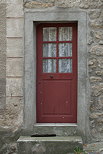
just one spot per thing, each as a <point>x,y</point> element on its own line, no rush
<point>57,15</point>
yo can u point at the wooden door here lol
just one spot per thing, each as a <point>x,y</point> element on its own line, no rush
<point>57,73</point>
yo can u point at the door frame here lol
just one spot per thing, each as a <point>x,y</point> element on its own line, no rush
<point>56,15</point>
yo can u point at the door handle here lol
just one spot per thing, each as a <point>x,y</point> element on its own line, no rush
<point>51,76</point>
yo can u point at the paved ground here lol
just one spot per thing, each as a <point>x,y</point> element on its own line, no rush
<point>94,148</point>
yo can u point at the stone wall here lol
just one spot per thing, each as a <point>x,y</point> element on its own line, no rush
<point>11,76</point>
<point>94,9</point>
<point>11,83</point>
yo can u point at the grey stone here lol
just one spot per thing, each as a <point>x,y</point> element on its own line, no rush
<point>35,4</point>
<point>94,148</point>
<point>48,145</point>
<point>95,79</point>
<point>15,47</point>
<point>17,67</point>
<point>14,87</point>
<point>14,27</point>
<point>17,12</point>
<point>97,23</point>
<point>93,63</point>
<point>94,14</point>
<point>97,50</point>
<point>2,102</point>
<point>59,129</point>
<point>97,89</point>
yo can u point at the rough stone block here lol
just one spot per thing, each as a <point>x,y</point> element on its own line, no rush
<point>14,1</point>
<point>14,111</point>
<point>35,4</point>
<point>14,87</point>
<point>58,130</point>
<point>17,12</point>
<point>97,50</point>
<point>100,62</point>
<point>14,67</point>
<point>94,14</point>
<point>2,102</point>
<point>15,27</point>
<point>2,87</point>
<point>98,24</point>
<point>48,145</point>
<point>2,65</point>
<point>95,79</point>
<point>14,47</point>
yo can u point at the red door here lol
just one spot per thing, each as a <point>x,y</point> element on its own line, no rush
<point>57,73</point>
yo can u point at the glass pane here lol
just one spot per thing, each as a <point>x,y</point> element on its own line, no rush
<point>65,49</point>
<point>65,33</point>
<point>49,66</point>
<point>49,34</point>
<point>65,65</point>
<point>49,50</point>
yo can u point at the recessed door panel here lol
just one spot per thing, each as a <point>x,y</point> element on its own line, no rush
<point>61,104</point>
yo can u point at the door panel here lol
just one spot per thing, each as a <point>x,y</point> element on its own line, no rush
<point>57,73</point>
<point>59,105</point>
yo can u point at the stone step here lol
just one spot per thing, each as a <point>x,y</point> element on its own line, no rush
<point>48,145</point>
<point>58,129</point>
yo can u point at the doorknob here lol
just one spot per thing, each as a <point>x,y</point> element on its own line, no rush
<point>51,76</point>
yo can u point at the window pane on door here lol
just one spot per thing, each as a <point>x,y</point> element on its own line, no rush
<point>49,50</point>
<point>65,65</point>
<point>65,33</point>
<point>49,34</point>
<point>65,49</point>
<point>49,65</point>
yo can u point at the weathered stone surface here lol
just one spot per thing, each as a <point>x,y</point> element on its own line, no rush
<point>17,67</point>
<point>2,102</point>
<point>97,50</point>
<point>93,63</point>
<point>2,56</point>
<point>2,64</point>
<point>94,14</point>
<point>67,3</point>
<point>97,89</point>
<point>100,73</point>
<point>98,35</point>
<point>100,62</point>
<point>43,1</point>
<point>96,115</point>
<point>13,115</point>
<point>97,23</point>
<point>2,87</point>
<point>93,4</point>
<point>14,87</point>
<point>17,12</point>
<point>14,2</point>
<point>15,47</point>
<point>95,79</point>
<point>35,4</point>
<point>48,145</point>
<point>59,131</point>
<point>14,27</point>
<point>94,148</point>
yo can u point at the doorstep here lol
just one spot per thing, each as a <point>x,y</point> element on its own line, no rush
<point>48,145</point>
<point>60,129</point>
